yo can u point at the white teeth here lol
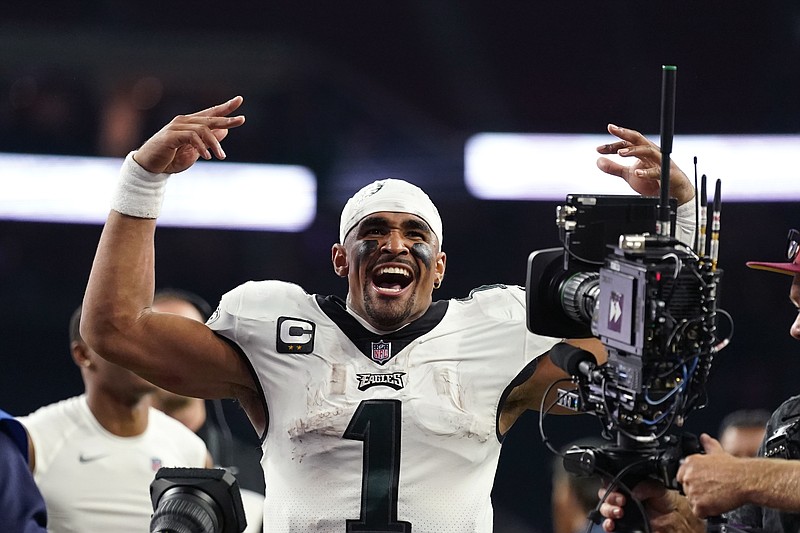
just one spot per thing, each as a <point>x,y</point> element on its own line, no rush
<point>394,270</point>
<point>391,289</point>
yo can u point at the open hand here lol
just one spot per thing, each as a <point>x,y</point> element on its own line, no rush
<point>644,175</point>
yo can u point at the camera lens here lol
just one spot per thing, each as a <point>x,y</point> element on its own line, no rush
<point>185,510</point>
<point>579,294</point>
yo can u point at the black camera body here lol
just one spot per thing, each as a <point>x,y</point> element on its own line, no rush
<point>655,314</point>
<point>650,300</point>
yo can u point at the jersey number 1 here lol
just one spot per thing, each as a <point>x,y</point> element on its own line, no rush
<point>377,424</point>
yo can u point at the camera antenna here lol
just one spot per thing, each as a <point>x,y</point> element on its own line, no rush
<point>701,234</point>
<point>696,208</point>
<point>715,225</point>
<point>667,133</point>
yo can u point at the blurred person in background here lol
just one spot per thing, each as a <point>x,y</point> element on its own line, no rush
<point>741,432</point>
<point>94,456</point>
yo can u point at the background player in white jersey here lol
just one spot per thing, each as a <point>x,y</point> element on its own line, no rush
<point>381,412</point>
<point>94,456</point>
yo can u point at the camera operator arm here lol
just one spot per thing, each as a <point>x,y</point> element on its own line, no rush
<point>717,482</point>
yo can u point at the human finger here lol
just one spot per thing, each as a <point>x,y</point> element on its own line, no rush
<point>684,470</point>
<point>645,152</point>
<point>611,167</point>
<point>220,134</point>
<point>216,120</point>
<point>613,498</point>
<point>172,150</point>
<point>689,472</point>
<point>610,507</point>
<point>710,444</point>
<point>211,137</point>
<point>611,511</point>
<point>210,131</point>
<point>649,173</point>
<point>627,134</point>
<point>195,140</point>
<point>612,148</point>
<point>680,477</point>
<point>185,137</point>
<point>221,110</point>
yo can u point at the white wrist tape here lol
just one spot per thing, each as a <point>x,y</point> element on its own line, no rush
<point>139,193</point>
<point>685,222</point>
<point>686,211</point>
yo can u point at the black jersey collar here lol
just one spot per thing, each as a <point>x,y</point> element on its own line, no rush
<point>380,347</point>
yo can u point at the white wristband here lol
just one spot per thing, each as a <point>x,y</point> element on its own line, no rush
<point>685,222</point>
<point>139,193</point>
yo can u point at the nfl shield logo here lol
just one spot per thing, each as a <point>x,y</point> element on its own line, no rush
<point>381,351</point>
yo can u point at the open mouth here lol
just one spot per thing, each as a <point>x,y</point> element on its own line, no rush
<point>392,279</point>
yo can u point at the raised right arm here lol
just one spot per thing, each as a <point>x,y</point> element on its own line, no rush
<point>174,352</point>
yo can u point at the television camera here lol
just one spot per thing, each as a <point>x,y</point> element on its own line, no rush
<point>652,302</point>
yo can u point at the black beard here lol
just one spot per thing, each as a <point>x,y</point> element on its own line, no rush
<point>388,317</point>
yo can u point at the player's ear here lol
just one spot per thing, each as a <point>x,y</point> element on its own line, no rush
<point>80,354</point>
<point>439,267</point>
<point>339,259</point>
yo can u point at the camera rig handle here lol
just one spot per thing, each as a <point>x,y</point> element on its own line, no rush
<point>623,465</point>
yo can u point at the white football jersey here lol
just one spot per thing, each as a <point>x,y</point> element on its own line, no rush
<point>93,480</point>
<point>370,432</point>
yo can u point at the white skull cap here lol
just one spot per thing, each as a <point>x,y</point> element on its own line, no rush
<point>393,195</point>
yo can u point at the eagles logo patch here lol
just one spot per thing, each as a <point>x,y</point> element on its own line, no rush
<point>393,380</point>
